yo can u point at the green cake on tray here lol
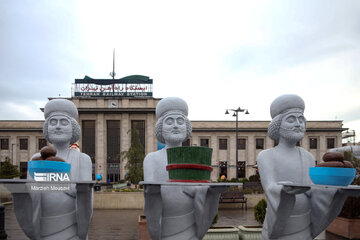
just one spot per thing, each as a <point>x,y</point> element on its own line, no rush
<point>189,164</point>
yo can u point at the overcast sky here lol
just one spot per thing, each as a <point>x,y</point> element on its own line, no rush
<point>213,54</point>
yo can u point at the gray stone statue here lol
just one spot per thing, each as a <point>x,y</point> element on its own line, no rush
<point>59,215</point>
<point>175,212</point>
<point>293,212</point>
<point>354,150</point>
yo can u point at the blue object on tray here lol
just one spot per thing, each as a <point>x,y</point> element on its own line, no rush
<point>332,175</point>
<point>44,166</point>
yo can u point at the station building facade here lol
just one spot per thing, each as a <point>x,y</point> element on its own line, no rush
<point>106,122</point>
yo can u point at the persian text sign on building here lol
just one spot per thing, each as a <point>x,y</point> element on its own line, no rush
<point>131,86</point>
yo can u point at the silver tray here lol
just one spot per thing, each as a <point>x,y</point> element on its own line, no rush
<point>220,184</point>
<point>349,187</point>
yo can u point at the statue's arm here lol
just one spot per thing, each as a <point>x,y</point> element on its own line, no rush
<point>84,197</point>
<point>326,204</point>
<point>27,208</point>
<point>152,199</point>
<point>206,202</point>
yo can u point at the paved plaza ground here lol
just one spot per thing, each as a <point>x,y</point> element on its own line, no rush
<point>122,224</point>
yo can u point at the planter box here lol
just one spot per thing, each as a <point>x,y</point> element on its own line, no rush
<point>345,227</point>
<point>250,232</point>
<point>118,200</point>
<point>223,233</point>
<point>143,229</point>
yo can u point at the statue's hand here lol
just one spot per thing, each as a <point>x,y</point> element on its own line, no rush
<point>218,189</point>
<point>293,189</point>
<point>192,191</point>
<point>81,187</point>
<point>350,192</point>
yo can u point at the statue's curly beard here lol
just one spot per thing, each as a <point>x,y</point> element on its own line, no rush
<point>291,134</point>
<point>174,138</point>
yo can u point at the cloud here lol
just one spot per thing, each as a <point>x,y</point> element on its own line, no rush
<point>297,32</point>
<point>30,111</point>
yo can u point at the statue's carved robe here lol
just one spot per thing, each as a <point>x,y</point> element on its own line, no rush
<point>288,216</point>
<point>54,215</point>
<point>176,212</point>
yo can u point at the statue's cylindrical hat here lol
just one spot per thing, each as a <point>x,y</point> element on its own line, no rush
<point>285,102</point>
<point>61,106</point>
<point>171,104</point>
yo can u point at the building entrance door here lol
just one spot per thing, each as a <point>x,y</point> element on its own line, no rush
<point>113,172</point>
<point>241,168</point>
<point>223,169</point>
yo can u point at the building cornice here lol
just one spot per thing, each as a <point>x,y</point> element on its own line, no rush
<point>116,110</point>
<point>21,130</point>
<point>263,130</point>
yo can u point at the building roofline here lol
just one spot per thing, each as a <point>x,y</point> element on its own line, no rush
<point>107,98</point>
<point>22,120</point>
<point>261,121</point>
<point>263,129</point>
<point>116,110</point>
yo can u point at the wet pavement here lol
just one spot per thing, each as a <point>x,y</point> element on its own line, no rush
<point>122,224</point>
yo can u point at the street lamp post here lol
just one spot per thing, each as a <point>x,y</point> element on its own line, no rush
<point>236,114</point>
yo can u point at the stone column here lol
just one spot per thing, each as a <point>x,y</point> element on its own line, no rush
<point>32,148</point>
<point>195,141</point>
<point>150,140</point>
<point>13,145</point>
<point>100,133</point>
<point>232,157</point>
<point>214,160</point>
<point>322,147</point>
<point>124,140</point>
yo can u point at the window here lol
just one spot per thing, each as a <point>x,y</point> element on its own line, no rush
<point>223,144</point>
<point>298,144</point>
<point>313,143</point>
<point>259,143</point>
<point>88,141</point>
<point>4,144</point>
<point>23,170</point>
<point>186,143</point>
<point>241,143</point>
<point>23,143</point>
<point>42,143</point>
<point>113,141</point>
<point>331,143</point>
<point>139,125</point>
<point>204,142</point>
<point>88,138</point>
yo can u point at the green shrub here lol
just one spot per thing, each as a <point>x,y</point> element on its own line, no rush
<point>260,211</point>
<point>254,178</point>
<point>123,190</point>
<point>215,220</point>
<point>233,180</point>
<point>8,170</point>
<point>233,189</point>
<point>253,190</point>
<point>242,180</point>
